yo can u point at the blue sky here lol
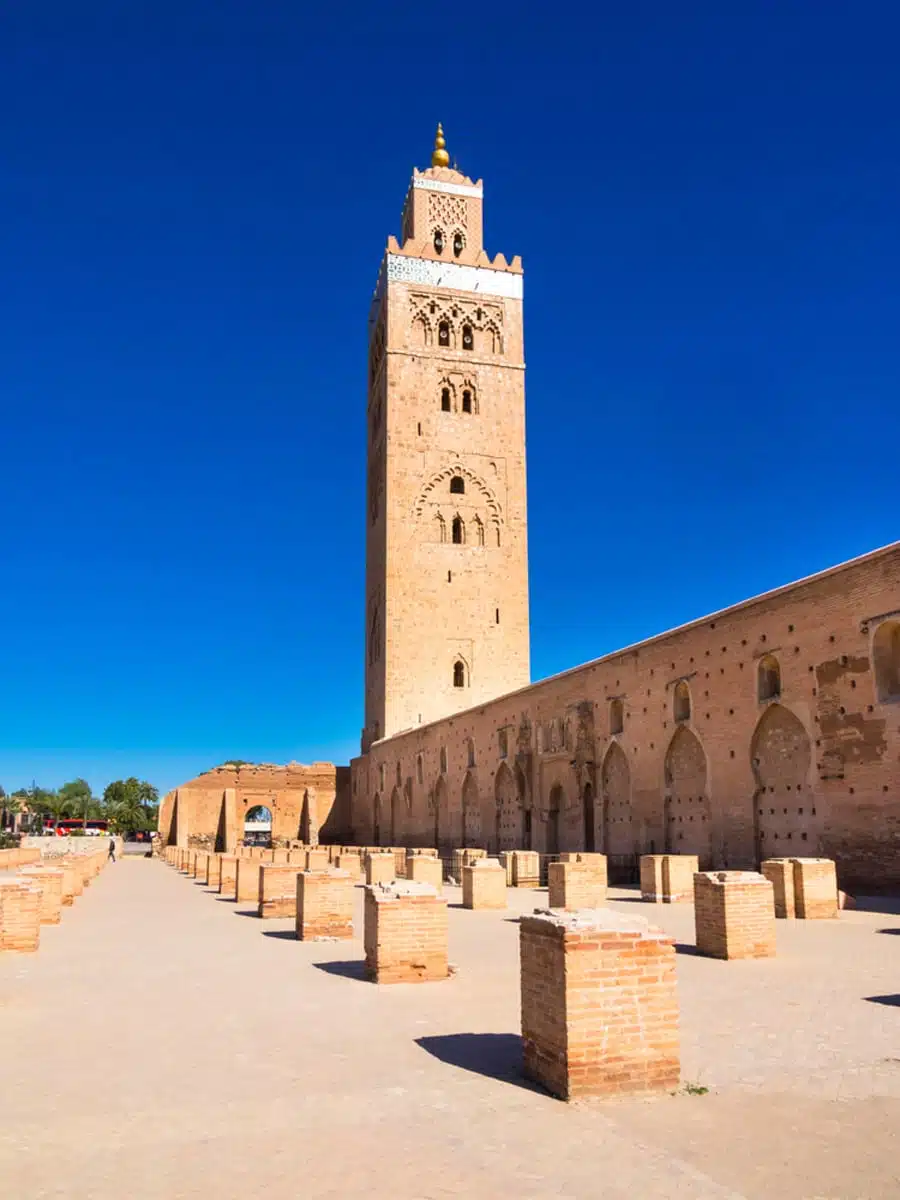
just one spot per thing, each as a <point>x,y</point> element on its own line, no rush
<point>194,199</point>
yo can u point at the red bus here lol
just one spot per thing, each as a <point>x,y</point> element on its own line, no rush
<point>64,828</point>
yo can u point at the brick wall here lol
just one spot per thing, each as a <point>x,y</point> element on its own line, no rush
<point>20,916</point>
<point>278,889</point>
<point>599,1004</point>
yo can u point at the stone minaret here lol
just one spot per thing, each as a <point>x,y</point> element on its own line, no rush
<point>446,553</point>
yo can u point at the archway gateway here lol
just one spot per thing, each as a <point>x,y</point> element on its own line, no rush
<point>258,826</point>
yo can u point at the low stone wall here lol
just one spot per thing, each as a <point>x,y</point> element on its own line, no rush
<point>54,847</point>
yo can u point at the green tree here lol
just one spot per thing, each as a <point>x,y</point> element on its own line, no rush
<point>79,799</point>
<point>131,804</point>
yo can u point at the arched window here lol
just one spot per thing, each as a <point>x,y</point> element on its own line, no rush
<point>503,742</point>
<point>459,674</point>
<point>768,678</point>
<point>467,401</point>
<point>616,716</point>
<point>468,339</point>
<point>682,701</point>
<point>479,535</point>
<point>381,777</point>
<point>420,772</point>
<point>443,760</point>
<point>470,749</point>
<point>886,656</point>
<point>444,333</point>
<point>458,244</point>
<point>459,531</point>
<point>457,485</point>
<point>445,399</point>
<point>438,241</point>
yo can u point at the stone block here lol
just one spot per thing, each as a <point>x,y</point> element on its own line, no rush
<point>421,869</point>
<point>815,888</point>
<point>484,885</point>
<point>596,864</point>
<point>201,858</point>
<point>506,862</point>
<point>349,863</point>
<point>405,933</point>
<point>464,856</point>
<point>228,865</point>
<point>780,873</point>
<point>734,914</point>
<point>574,885</point>
<point>71,882</point>
<point>324,903</point>
<point>213,870</point>
<point>246,888</point>
<point>280,855</point>
<point>278,889</point>
<point>678,871</point>
<point>20,916</point>
<point>526,869</point>
<point>599,1004</point>
<point>652,877</point>
<point>50,882</point>
<point>317,860</point>
<point>380,868</point>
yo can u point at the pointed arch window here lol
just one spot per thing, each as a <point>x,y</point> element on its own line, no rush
<point>886,656</point>
<point>444,333</point>
<point>459,674</point>
<point>467,400</point>
<point>470,752</point>
<point>768,675</point>
<point>468,338</point>
<point>616,716</point>
<point>459,532</point>
<point>445,399</point>
<point>682,702</point>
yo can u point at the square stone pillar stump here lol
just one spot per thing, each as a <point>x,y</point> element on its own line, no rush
<point>678,871</point>
<point>278,889</point>
<point>213,870</point>
<point>526,869</point>
<point>780,873</point>
<point>324,904</point>
<point>574,885</point>
<point>465,856</point>
<point>599,1004</point>
<point>349,863</point>
<point>247,881</point>
<point>228,865</point>
<point>815,888</point>
<point>317,860</point>
<point>596,864</point>
<point>506,862</point>
<point>405,933</point>
<point>421,869</point>
<point>201,858</point>
<point>50,882</point>
<point>484,885</point>
<point>20,916</point>
<point>652,877</point>
<point>380,868</point>
<point>734,914</point>
<point>71,884</point>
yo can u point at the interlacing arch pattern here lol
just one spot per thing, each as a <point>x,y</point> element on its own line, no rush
<point>430,314</point>
<point>441,483</point>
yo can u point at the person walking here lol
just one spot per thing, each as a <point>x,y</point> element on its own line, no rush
<point>112,849</point>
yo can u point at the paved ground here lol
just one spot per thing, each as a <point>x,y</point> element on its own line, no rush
<point>166,1044</point>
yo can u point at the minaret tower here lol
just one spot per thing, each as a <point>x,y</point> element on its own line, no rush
<point>446,553</point>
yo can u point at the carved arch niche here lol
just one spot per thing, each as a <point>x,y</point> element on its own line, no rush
<point>785,816</point>
<point>618,831</point>
<point>476,503</point>
<point>510,811</point>
<point>687,807</point>
<point>471,811</point>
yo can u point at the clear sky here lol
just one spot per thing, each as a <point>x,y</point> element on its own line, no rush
<point>194,200</point>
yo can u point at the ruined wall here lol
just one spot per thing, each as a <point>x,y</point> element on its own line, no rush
<point>310,803</point>
<point>771,728</point>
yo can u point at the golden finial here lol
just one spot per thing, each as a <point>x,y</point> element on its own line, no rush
<point>439,156</point>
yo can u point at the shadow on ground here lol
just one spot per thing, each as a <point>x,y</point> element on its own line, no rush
<point>354,968</point>
<point>896,931</point>
<point>891,1001</point>
<point>286,934</point>
<point>687,948</point>
<point>496,1055</point>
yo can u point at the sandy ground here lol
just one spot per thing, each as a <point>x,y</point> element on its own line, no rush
<point>165,1043</point>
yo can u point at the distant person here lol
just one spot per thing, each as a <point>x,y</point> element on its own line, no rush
<point>112,849</point>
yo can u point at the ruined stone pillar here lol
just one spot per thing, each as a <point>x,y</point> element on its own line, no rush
<point>780,873</point>
<point>201,858</point>
<point>526,869</point>
<point>213,870</point>
<point>20,916</point>
<point>71,884</point>
<point>50,882</point>
<point>380,868</point>
<point>278,889</point>
<point>247,880</point>
<point>573,885</point>
<point>484,884</point>
<point>405,933</point>
<point>350,863</point>
<point>678,871</point>
<point>317,860</point>
<point>734,914</point>
<point>228,865</point>
<point>815,889</point>
<point>324,904</point>
<point>599,1004</point>
<point>506,862</point>
<point>422,869</point>
<point>652,877</point>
